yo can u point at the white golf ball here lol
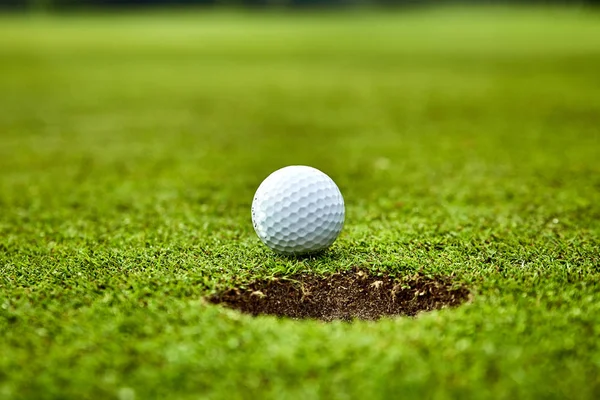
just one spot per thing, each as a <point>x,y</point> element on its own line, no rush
<point>298,210</point>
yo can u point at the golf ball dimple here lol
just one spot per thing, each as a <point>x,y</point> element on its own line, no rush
<point>298,210</point>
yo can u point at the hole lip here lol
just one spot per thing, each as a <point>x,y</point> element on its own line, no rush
<point>350,295</point>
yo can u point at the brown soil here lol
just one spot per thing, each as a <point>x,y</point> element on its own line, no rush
<point>343,296</point>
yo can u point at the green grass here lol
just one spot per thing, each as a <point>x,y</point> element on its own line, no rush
<point>465,142</point>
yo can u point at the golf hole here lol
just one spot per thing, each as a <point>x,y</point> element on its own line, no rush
<point>343,296</point>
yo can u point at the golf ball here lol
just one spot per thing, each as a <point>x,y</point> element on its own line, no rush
<point>298,210</point>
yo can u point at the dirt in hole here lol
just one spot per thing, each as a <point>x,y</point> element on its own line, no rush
<point>344,296</point>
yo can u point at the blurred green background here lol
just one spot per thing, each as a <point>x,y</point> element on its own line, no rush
<point>294,4</point>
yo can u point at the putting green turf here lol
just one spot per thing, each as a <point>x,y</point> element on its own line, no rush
<point>465,142</point>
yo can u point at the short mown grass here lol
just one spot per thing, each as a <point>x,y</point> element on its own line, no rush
<point>466,144</point>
